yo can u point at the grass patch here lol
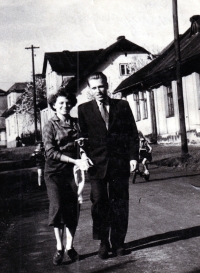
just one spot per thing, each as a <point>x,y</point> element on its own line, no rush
<point>20,153</point>
<point>170,156</point>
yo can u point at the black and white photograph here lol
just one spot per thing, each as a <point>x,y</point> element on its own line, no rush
<point>99,136</point>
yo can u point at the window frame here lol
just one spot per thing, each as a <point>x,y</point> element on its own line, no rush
<point>137,103</point>
<point>145,107</point>
<point>169,101</point>
<point>125,69</point>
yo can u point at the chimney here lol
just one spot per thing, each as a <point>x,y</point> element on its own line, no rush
<point>195,24</point>
<point>120,38</point>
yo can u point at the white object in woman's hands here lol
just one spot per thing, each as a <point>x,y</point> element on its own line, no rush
<point>83,164</point>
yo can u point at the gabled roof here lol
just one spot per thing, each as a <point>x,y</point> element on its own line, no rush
<point>83,63</point>
<point>163,69</point>
<point>2,92</point>
<point>11,110</point>
<point>69,62</point>
<point>17,87</point>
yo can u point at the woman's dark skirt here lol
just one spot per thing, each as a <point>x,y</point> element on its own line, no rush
<point>62,194</point>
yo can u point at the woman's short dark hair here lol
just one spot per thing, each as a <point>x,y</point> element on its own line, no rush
<point>62,92</point>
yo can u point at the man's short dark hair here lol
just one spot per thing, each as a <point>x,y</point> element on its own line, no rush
<point>62,92</point>
<point>97,75</point>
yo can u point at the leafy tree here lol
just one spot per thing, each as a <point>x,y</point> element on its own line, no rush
<point>25,104</point>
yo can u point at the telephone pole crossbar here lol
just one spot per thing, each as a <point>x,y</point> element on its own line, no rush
<point>34,91</point>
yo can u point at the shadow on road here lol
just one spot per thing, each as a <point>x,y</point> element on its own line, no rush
<point>168,178</point>
<point>165,238</point>
<point>153,241</point>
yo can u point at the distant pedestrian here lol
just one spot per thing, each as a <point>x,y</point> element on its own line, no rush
<point>18,141</point>
<point>59,137</point>
<point>145,156</point>
<point>39,156</point>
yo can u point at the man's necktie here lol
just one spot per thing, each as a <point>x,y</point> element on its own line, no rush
<point>104,114</point>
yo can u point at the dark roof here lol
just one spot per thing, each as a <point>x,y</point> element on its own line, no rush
<point>83,63</point>
<point>163,69</point>
<point>11,110</point>
<point>17,87</point>
<point>69,62</point>
<point>2,92</point>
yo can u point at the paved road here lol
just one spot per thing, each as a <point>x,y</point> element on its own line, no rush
<point>163,235</point>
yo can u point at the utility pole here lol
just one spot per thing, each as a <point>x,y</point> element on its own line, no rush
<point>184,145</point>
<point>34,90</point>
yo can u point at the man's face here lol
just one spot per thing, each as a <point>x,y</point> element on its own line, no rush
<point>98,88</point>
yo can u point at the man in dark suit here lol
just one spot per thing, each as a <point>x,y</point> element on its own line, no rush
<point>113,148</point>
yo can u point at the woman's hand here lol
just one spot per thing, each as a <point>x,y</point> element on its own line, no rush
<point>83,164</point>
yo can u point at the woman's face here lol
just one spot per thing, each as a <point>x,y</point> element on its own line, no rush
<point>62,106</point>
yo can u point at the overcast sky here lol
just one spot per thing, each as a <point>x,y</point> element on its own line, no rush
<point>57,25</point>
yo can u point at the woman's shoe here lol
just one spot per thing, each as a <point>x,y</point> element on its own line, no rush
<point>58,257</point>
<point>73,255</point>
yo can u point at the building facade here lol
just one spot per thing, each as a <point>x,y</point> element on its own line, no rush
<point>14,122</point>
<point>152,91</point>
<point>118,61</point>
<point>3,106</point>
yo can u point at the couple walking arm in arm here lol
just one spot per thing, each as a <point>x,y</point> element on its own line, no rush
<point>112,152</point>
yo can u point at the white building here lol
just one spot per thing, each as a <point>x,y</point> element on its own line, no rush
<point>14,122</point>
<point>3,106</point>
<point>117,62</point>
<point>152,91</point>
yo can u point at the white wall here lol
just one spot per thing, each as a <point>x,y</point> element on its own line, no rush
<point>168,128</point>
<point>111,68</point>
<point>15,126</point>
<point>144,124</point>
<point>53,81</point>
<point>3,138</point>
<point>191,90</point>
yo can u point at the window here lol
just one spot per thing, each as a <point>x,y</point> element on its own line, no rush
<point>15,125</point>
<point>145,109</point>
<point>170,103</point>
<point>124,69</point>
<point>9,101</point>
<point>8,123</point>
<point>137,103</point>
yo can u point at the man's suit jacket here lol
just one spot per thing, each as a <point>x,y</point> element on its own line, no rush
<point>115,146</point>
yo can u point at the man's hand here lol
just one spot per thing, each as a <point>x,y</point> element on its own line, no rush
<point>88,161</point>
<point>133,165</point>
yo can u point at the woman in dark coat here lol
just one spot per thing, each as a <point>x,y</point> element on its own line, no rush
<point>59,137</point>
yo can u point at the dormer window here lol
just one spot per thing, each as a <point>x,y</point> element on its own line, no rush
<point>124,69</point>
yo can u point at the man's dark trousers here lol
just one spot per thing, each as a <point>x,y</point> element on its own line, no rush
<point>110,208</point>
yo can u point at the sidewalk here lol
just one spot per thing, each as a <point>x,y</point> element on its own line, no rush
<point>163,234</point>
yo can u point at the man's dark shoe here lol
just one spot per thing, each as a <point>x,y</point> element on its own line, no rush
<point>58,257</point>
<point>104,249</point>
<point>119,252</point>
<point>73,255</point>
